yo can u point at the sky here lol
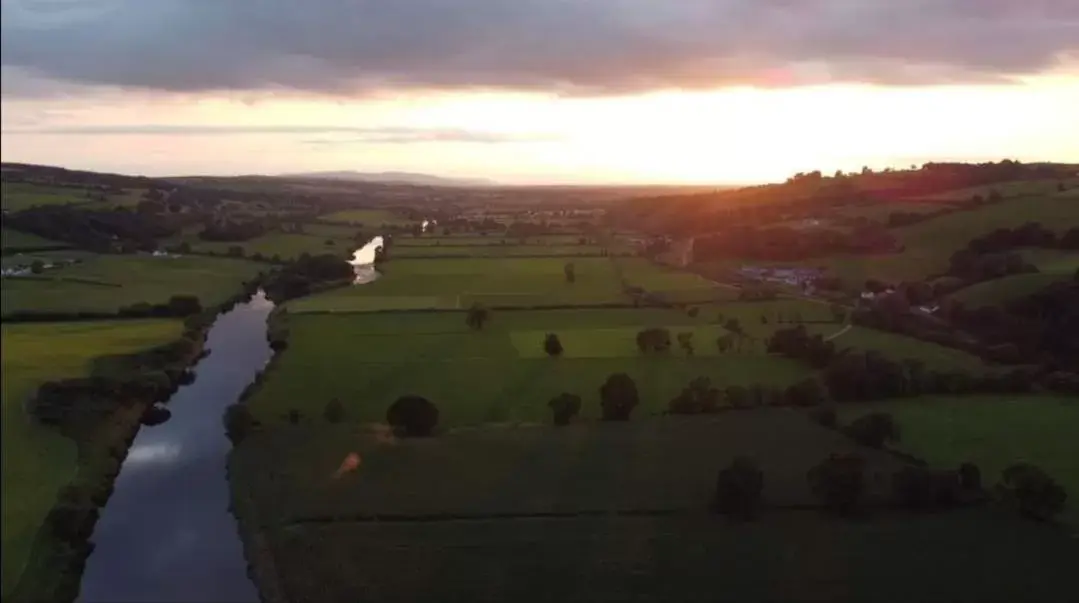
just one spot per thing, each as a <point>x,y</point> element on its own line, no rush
<point>537,91</point>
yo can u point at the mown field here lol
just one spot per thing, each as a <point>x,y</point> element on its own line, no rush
<point>458,283</point>
<point>413,251</point>
<point>497,374</point>
<point>37,461</point>
<point>537,513</point>
<point>900,347</point>
<point>20,195</point>
<point>1053,265</point>
<point>104,283</point>
<point>992,432</point>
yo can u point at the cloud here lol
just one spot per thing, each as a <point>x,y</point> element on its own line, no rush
<point>569,46</point>
<point>331,135</point>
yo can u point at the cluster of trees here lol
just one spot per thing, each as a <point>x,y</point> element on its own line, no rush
<point>1030,234</point>
<point>180,306</point>
<point>305,274</point>
<point>100,231</point>
<point>795,342</point>
<point>789,244</point>
<point>233,230</point>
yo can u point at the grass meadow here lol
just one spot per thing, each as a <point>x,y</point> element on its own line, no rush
<point>104,283</point>
<point>37,460</point>
<point>992,432</point>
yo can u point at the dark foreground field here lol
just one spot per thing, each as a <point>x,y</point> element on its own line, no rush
<point>787,556</point>
<point>611,512</point>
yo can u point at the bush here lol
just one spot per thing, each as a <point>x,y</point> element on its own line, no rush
<point>618,397</point>
<point>412,416</point>
<point>970,477</point>
<point>239,423</point>
<point>184,305</point>
<point>564,407</point>
<point>738,489</point>
<point>294,416</point>
<point>552,345</point>
<point>693,312</point>
<point>334,411</point>
<point>1031,491</point>
<point>838,482</point>
<point>697,398</point>
<point>825,417</point>
<point>922,489</point>
<point>654,340</point>
<point>873,430</point>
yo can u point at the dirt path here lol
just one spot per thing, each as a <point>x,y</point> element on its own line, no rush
<point>838,333</point>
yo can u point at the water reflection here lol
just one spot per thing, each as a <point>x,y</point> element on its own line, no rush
<point>166,534</point>
<point>363,262</point>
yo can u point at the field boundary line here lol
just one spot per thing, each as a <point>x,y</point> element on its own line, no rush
<point>839,333</point>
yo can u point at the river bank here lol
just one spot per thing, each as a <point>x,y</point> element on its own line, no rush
<point>120,390</point>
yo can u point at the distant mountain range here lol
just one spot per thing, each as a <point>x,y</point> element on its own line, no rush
<point>395,178</point>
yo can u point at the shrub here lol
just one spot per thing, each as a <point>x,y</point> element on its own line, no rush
<point>654,340</point>
<point>564,407</point>
<point>838,482</point>
<point>922,489</point>
<point>294,416</point>
<point>693,312</point>
<point>184,305</point>
<point>412,416</point>
<point>874,429</point>
<point>552,345</point>
<point>738,489</point>
<point>618,397</point>
<point>334,411</point>
<point>477,316</point>
<point>239,423</point>
<point>1031,491</point>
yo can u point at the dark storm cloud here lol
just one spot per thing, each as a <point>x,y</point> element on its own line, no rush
<point>355,46</point>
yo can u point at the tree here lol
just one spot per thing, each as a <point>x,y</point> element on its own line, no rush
<point>552,345</point>
<point>733,326</point>
<point>618,397</point>
<point>571,272</point>
<point>564,407</point>
<point>1031,491</point>
<point>839,483</point>
<point>239,423</point>
<point>654,340</point>
<point>685,340</point>
<point>294,416</point>
<point>874,429</point>
<point>693,312</point>
<point>477,317</point>
<point>724,343</point>
<point>37,267</point>
<point>919,488</point>
<point>739,488</point>
<point>412,416</point>
<point>808,392</point>
<point>184,305</point>
<point>737,396</point>
<point>334,411</point>
<point>697,398</point>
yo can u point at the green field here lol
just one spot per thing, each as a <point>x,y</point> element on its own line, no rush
<point>900,347</point>
<point>494,251</point>
<point>457,283</point>
<point>530,504</point>
<point>498,374</point>
<point>37,460</point>
<point>287,246</point>
<point>993,432</point>
<point>105,283</point>
<point>471,240</point>
<point>998,292</point>
<point>14,239</point>
<point>1007,190</point>
<point>17,196</point>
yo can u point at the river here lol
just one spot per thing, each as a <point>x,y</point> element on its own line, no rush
<point>166,534</point>
<point>363,261</point>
